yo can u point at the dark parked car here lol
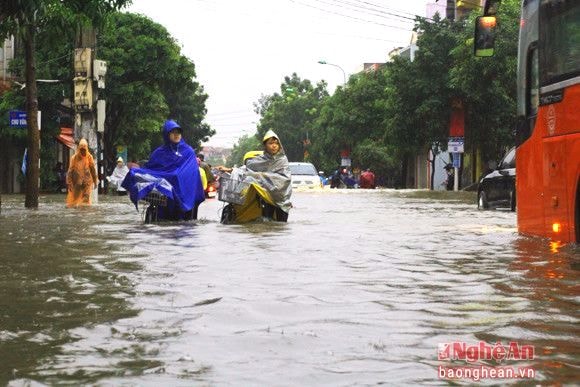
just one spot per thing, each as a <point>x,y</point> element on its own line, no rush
<point>498,188</point>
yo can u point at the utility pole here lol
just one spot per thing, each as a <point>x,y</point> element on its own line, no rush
<point>89,111</point>
<point>33,158</point>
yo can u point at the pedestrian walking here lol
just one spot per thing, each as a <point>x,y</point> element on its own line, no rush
<point>81,177</point>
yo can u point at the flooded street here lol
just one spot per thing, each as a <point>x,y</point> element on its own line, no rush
<point>359,287</point>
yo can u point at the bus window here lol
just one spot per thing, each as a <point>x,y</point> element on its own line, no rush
<point>560,37</point>
<point>527,121</point>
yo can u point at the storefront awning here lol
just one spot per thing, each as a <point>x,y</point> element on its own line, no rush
<point>66,137</point>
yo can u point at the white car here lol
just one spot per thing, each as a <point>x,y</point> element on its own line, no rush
<point>304,175</point>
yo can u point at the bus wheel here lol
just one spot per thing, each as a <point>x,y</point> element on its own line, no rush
<point>513,200</point>
<point>482,203</point>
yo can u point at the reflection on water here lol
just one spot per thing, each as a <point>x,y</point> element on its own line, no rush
<point>56,275</point>
<point>358,287</point>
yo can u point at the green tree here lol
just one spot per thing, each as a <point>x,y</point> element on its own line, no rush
<point>245,144</point>
<point>378,157</point>
<point>148,80</point>
<point>488,85</point>
<point>27,19</point>
<point>401,122</point>
<point>352,116</point>
<point>186,101</point>
<point>291,114</point>
<point>419,93</point>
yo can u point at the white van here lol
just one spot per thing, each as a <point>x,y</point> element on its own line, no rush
<point>304,175</point>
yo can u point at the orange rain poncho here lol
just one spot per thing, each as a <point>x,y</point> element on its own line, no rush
<point>81,177</point>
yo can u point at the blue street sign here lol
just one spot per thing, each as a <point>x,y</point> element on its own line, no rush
<point>456,160</point>
<point>17,119</point>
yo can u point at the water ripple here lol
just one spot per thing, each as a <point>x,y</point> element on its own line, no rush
<point>358,288</point>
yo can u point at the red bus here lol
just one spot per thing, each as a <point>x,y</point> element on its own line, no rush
<point>548,100</point>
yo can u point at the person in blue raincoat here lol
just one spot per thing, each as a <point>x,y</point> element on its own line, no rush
<point>172,170</point>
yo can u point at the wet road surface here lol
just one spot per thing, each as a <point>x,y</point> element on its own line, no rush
<point>360,287</point>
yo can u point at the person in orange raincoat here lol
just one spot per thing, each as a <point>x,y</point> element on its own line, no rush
<point>81,177</point>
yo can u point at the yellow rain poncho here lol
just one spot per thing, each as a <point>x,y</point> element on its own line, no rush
<point>81,177</point>
<point>272,173</point>
<point>203,178</point>
<point>251,154</point>
<point>265,177</point>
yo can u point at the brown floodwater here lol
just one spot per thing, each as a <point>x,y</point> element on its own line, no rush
<point>359,287</point>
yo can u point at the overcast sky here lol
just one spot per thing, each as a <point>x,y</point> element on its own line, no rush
<point>244,49</point>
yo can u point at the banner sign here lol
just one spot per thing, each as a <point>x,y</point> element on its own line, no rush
<point>457,122</point>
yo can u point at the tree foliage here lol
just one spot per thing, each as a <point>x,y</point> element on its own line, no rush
<point>377,157</point>
<point>29,19</point>
<point>245,144</point>
<point>148,80</point>
<point>386,117</point>
<point>433,63</point>
<point>488,85</point>
<point>351,117</point>
<point>291,114</point>
<point>54,56</point>
<point>419,94</point>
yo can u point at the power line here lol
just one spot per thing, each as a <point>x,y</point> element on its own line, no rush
<point>387,8</point>
<point>53,59</point>
<point>397,11</point>
<point>351,17</point>
<point>363,9</point>
<point>360,37</point>
<point>268,21</point>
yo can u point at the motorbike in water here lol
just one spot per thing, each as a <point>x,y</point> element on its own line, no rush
<point>158,198</point>
<point>247,201</point>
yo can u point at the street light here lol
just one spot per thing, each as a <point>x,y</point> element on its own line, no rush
<point>23,85</point>
<point>335,65</point>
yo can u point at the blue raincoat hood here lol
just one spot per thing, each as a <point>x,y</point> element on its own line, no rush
<point>172,170</point>
<point>168,127</point>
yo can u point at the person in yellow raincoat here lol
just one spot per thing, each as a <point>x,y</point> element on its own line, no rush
<point>81,177</point>
<point>202,174</point>
<point>267,178</point>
